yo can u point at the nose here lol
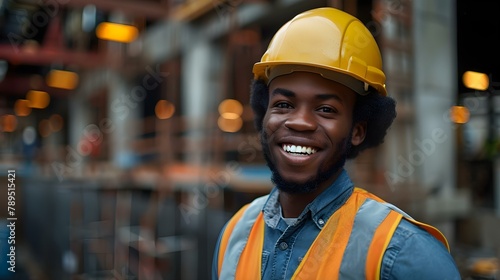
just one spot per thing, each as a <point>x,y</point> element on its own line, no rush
<point>301,120</point>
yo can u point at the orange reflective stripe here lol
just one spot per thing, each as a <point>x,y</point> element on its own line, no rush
<point>225,236</point>
<point>367,194</point>
<point>379,244</point>
<point>434,232</point>
<point>250,263</point>
<point>324,257</point>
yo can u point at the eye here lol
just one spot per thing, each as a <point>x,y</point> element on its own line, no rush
<point>327,109</point>
<point>283,105</point>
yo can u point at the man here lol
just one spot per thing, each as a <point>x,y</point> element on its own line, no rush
<point>319,98</point>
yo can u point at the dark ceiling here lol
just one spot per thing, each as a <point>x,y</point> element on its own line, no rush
<point>478,38</point>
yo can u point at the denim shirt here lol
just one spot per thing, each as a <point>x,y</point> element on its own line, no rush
<point>412,252</point>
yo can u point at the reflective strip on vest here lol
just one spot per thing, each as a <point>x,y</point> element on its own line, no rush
<point>351,245</point>
<point>370,215</point>
<point>225,238</point>
<point>237,240</point>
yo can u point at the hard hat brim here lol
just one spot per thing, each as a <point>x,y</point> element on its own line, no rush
<point>270,70</point>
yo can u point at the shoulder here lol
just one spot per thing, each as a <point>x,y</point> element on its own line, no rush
<point>247,212</point>
<point>413,253</point>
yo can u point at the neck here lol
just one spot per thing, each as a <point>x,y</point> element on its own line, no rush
<point>292,204</point>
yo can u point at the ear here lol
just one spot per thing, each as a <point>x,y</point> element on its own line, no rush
<point>358,133</point>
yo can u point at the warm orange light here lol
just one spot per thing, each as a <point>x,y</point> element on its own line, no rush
<point>229,125</point>
<point>231,108</point>
<point>8,123</point>
<point>22,108</point>
<point>117,32</point>
<point>476,80</point>
<point>230,116</point>
<point>62,79</point>
<point>44,128</point>
<point>38,99</point>
<point>459,114</point>
<point>164,109</point>
<point>56,123</point>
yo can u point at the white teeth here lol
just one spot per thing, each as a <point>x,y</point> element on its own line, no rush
<point>298,149</point>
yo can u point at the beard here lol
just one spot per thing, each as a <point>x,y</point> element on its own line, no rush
<point>313,182</point>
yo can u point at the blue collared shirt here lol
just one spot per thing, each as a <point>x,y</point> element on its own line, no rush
<point>412,253</point>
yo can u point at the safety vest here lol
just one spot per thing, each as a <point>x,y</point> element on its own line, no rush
<point>350,245</point>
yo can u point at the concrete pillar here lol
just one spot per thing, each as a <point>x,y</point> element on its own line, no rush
<point>119,127</point>
<point>197,96</point>
<point>435,91</point>
<point>496,178</point>
<point>79,118</point>
<point>125,103</point>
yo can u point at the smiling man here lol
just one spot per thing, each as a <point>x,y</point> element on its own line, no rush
<point>319,99</point>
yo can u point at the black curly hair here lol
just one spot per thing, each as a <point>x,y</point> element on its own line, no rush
<point>377,111</point>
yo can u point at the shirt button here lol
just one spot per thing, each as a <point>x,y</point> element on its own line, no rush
<point>321,222</point>
<point>283,246</point>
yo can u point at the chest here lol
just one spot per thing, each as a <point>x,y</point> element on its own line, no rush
<point>285,247</point>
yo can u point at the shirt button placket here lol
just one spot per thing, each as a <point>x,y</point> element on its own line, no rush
<point>321,223</point>
<point>283,246</point>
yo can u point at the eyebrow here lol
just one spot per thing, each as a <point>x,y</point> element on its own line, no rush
<point>284,92</point>
<point>321,96</point>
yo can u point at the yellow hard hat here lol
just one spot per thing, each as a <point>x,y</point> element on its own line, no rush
<point>329,42</point>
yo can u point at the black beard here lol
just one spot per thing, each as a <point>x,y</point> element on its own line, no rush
<point>312,183</point>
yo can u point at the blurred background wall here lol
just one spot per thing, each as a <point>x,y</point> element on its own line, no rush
<point>127,126</point>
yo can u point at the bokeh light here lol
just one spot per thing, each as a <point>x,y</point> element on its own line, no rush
<point>117,32</point>
<point>44,128</point>
<point>38,99</point>
<point>56,122</point>
<point>459,114</point>
<point>476,80</point>
<point>29,135</point>
<point>229,125</point>
<point>8,123</point>
<point>62,79</point>
<point>230,109</point>
<point>164,109</point>
<point>22,107</point>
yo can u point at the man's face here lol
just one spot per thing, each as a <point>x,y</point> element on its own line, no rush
<point>307,131</point>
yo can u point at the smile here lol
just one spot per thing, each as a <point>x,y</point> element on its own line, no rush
<point>298,150</point>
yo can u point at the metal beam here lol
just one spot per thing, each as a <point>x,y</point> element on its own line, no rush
<point>47,56</point>
<point>149,9</point>
<point>18,86</point>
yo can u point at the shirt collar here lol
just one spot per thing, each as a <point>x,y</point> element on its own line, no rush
<point>320,209</point>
